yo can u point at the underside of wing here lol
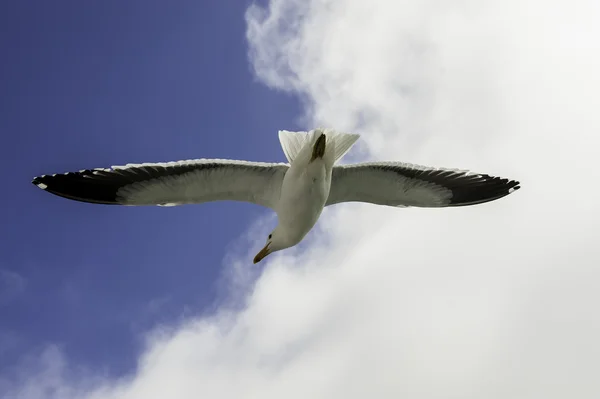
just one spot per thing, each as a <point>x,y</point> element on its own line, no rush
<point>171,183</point>
<point>402,184</point>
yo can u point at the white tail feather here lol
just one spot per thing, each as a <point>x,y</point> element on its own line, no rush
<point>338,144</point>
<point>292,143</point>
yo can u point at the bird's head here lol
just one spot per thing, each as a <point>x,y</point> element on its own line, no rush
<point>276,241</point>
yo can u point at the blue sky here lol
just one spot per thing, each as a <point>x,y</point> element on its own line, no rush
<point>94,84</point>
<point>495,298</point>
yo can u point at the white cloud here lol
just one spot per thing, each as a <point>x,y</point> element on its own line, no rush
<point>494,301</point>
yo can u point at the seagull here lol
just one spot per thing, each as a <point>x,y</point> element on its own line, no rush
<point>297,191</point>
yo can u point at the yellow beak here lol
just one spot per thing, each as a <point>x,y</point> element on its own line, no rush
<point>262,254</point>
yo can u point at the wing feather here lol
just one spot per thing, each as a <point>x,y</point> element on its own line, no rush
<point>403,184</point>
<point>171,183</point>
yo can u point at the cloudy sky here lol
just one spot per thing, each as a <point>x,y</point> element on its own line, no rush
<point>498,300</point>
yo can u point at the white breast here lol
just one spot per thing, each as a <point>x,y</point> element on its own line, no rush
<point>303,195</point>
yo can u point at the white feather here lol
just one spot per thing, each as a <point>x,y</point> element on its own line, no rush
<point>292,143</point>
<point>337,144</point>
<point>366,182</point>
<point>206,180</point>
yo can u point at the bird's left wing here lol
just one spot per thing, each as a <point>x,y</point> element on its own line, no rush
<point>171,183</point>
<point>402,184</point>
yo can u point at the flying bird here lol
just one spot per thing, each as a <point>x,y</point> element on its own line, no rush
<point>297,191</point>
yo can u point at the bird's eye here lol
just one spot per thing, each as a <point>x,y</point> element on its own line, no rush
<point>270,235</point>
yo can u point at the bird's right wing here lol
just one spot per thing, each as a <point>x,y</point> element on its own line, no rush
<point>402,184</point>
<point>172,183</point>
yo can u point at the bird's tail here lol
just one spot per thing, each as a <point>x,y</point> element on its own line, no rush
<point>337,144</point>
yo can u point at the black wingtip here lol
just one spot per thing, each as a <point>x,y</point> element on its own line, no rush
<point>37,181</point>
<point>78,186</point>
<point>484,189</point>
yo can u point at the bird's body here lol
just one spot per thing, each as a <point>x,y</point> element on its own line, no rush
<point>297,191</point>
<point>304,192</point>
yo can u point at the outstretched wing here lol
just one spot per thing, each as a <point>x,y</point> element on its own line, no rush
<point>172,183</point>
<point>402,184</point>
